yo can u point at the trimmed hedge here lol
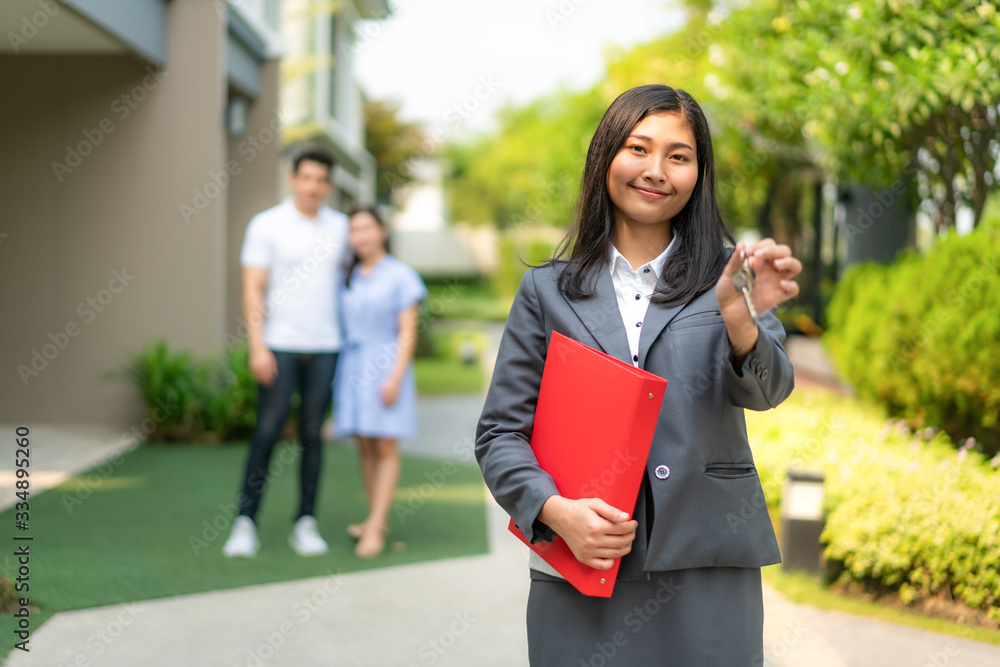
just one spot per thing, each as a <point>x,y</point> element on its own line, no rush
<point>904,512</point>
<point>922,336</point>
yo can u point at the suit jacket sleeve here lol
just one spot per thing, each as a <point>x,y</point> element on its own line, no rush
<point>766,377</point>
<point>503,434</point>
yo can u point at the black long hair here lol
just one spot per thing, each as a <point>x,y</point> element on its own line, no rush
<point>698,256</point>
<point>353,262</point>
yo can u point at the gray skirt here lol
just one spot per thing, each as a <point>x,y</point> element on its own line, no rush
<point>708,617</point>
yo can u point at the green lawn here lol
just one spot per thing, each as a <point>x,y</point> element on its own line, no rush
<point>436,376</point>
<point>154,526</point>
<point>466,302</point>
<point>808,589</point>
<point>440,369</point>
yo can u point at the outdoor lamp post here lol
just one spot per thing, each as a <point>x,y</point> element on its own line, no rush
<point>802,521</point>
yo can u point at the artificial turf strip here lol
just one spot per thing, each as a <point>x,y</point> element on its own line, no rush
<point>154,526</point>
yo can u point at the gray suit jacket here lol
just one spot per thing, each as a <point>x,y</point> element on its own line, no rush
<point>708,505</point>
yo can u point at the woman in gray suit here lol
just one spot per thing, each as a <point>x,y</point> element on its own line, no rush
<point>645,276</point>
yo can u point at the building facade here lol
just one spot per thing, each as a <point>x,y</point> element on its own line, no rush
<point>141,139</point>
<point>319,95</point>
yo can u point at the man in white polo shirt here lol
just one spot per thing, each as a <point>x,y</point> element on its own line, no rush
<point>292,258</point>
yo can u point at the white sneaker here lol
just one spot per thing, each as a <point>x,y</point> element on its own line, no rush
<point>305,538</point>
<point>242,542</point>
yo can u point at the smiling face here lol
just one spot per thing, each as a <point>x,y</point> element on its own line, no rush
<point>310,185</point>
<point>366,236</point>
<point>652,176</point>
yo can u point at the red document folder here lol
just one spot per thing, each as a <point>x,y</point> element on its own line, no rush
<point>594,423</point>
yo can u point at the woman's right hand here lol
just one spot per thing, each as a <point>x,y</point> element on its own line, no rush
<point>596,532</point>
<point>263,366</point>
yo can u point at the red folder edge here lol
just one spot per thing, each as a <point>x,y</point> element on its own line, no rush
<point>555,392</point>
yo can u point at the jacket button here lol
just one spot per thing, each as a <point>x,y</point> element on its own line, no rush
<point>662,472</point>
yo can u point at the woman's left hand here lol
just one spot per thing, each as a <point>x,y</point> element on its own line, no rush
<point>774,268</point>
<point>390,390</point>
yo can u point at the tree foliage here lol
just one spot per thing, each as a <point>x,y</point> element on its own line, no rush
<point>529,172</point>
<point>878,85</point>
<point>393,142</point>
<point>798,92</point>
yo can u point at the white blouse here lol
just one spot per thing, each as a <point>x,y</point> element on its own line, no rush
<point>633,288</point>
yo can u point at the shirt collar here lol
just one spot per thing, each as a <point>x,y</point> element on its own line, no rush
<point>290,204</point>
<point>655,264</point>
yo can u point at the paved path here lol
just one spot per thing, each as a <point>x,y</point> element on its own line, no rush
<point>56,453</point>
<point>466,612</point>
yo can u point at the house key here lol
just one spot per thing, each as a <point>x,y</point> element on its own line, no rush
<point>743,281</point>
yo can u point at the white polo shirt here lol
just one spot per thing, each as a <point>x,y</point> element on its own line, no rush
<point>305,259</point>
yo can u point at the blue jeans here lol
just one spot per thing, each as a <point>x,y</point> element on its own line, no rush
<point>312,374</point>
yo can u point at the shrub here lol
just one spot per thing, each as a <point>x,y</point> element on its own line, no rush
<point>188,399</point>
<point>230,408</point>
<point>904,511</point>
<point>923,336</point>
<point>171,384</point>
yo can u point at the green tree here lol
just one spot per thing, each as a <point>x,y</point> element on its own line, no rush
<point>393,142</point>
<point>528,173</point>
<point>882,88</point>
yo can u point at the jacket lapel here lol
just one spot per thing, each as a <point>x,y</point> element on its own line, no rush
<point>601,317</point>
<point>658,316</point>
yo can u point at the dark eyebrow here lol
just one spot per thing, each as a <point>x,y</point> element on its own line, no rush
<point>674,145</point>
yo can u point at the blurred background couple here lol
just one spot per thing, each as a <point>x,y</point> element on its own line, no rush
<point>332,314</point>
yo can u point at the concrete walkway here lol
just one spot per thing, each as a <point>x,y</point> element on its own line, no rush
<point>466,612</point>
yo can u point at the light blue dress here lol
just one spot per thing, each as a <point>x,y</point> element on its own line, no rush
<point>370,310</point>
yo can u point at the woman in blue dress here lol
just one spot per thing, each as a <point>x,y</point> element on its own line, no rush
<point>374,389</point>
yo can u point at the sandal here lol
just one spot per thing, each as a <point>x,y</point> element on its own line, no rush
<point>372,543</point>
<point>355,530</point>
